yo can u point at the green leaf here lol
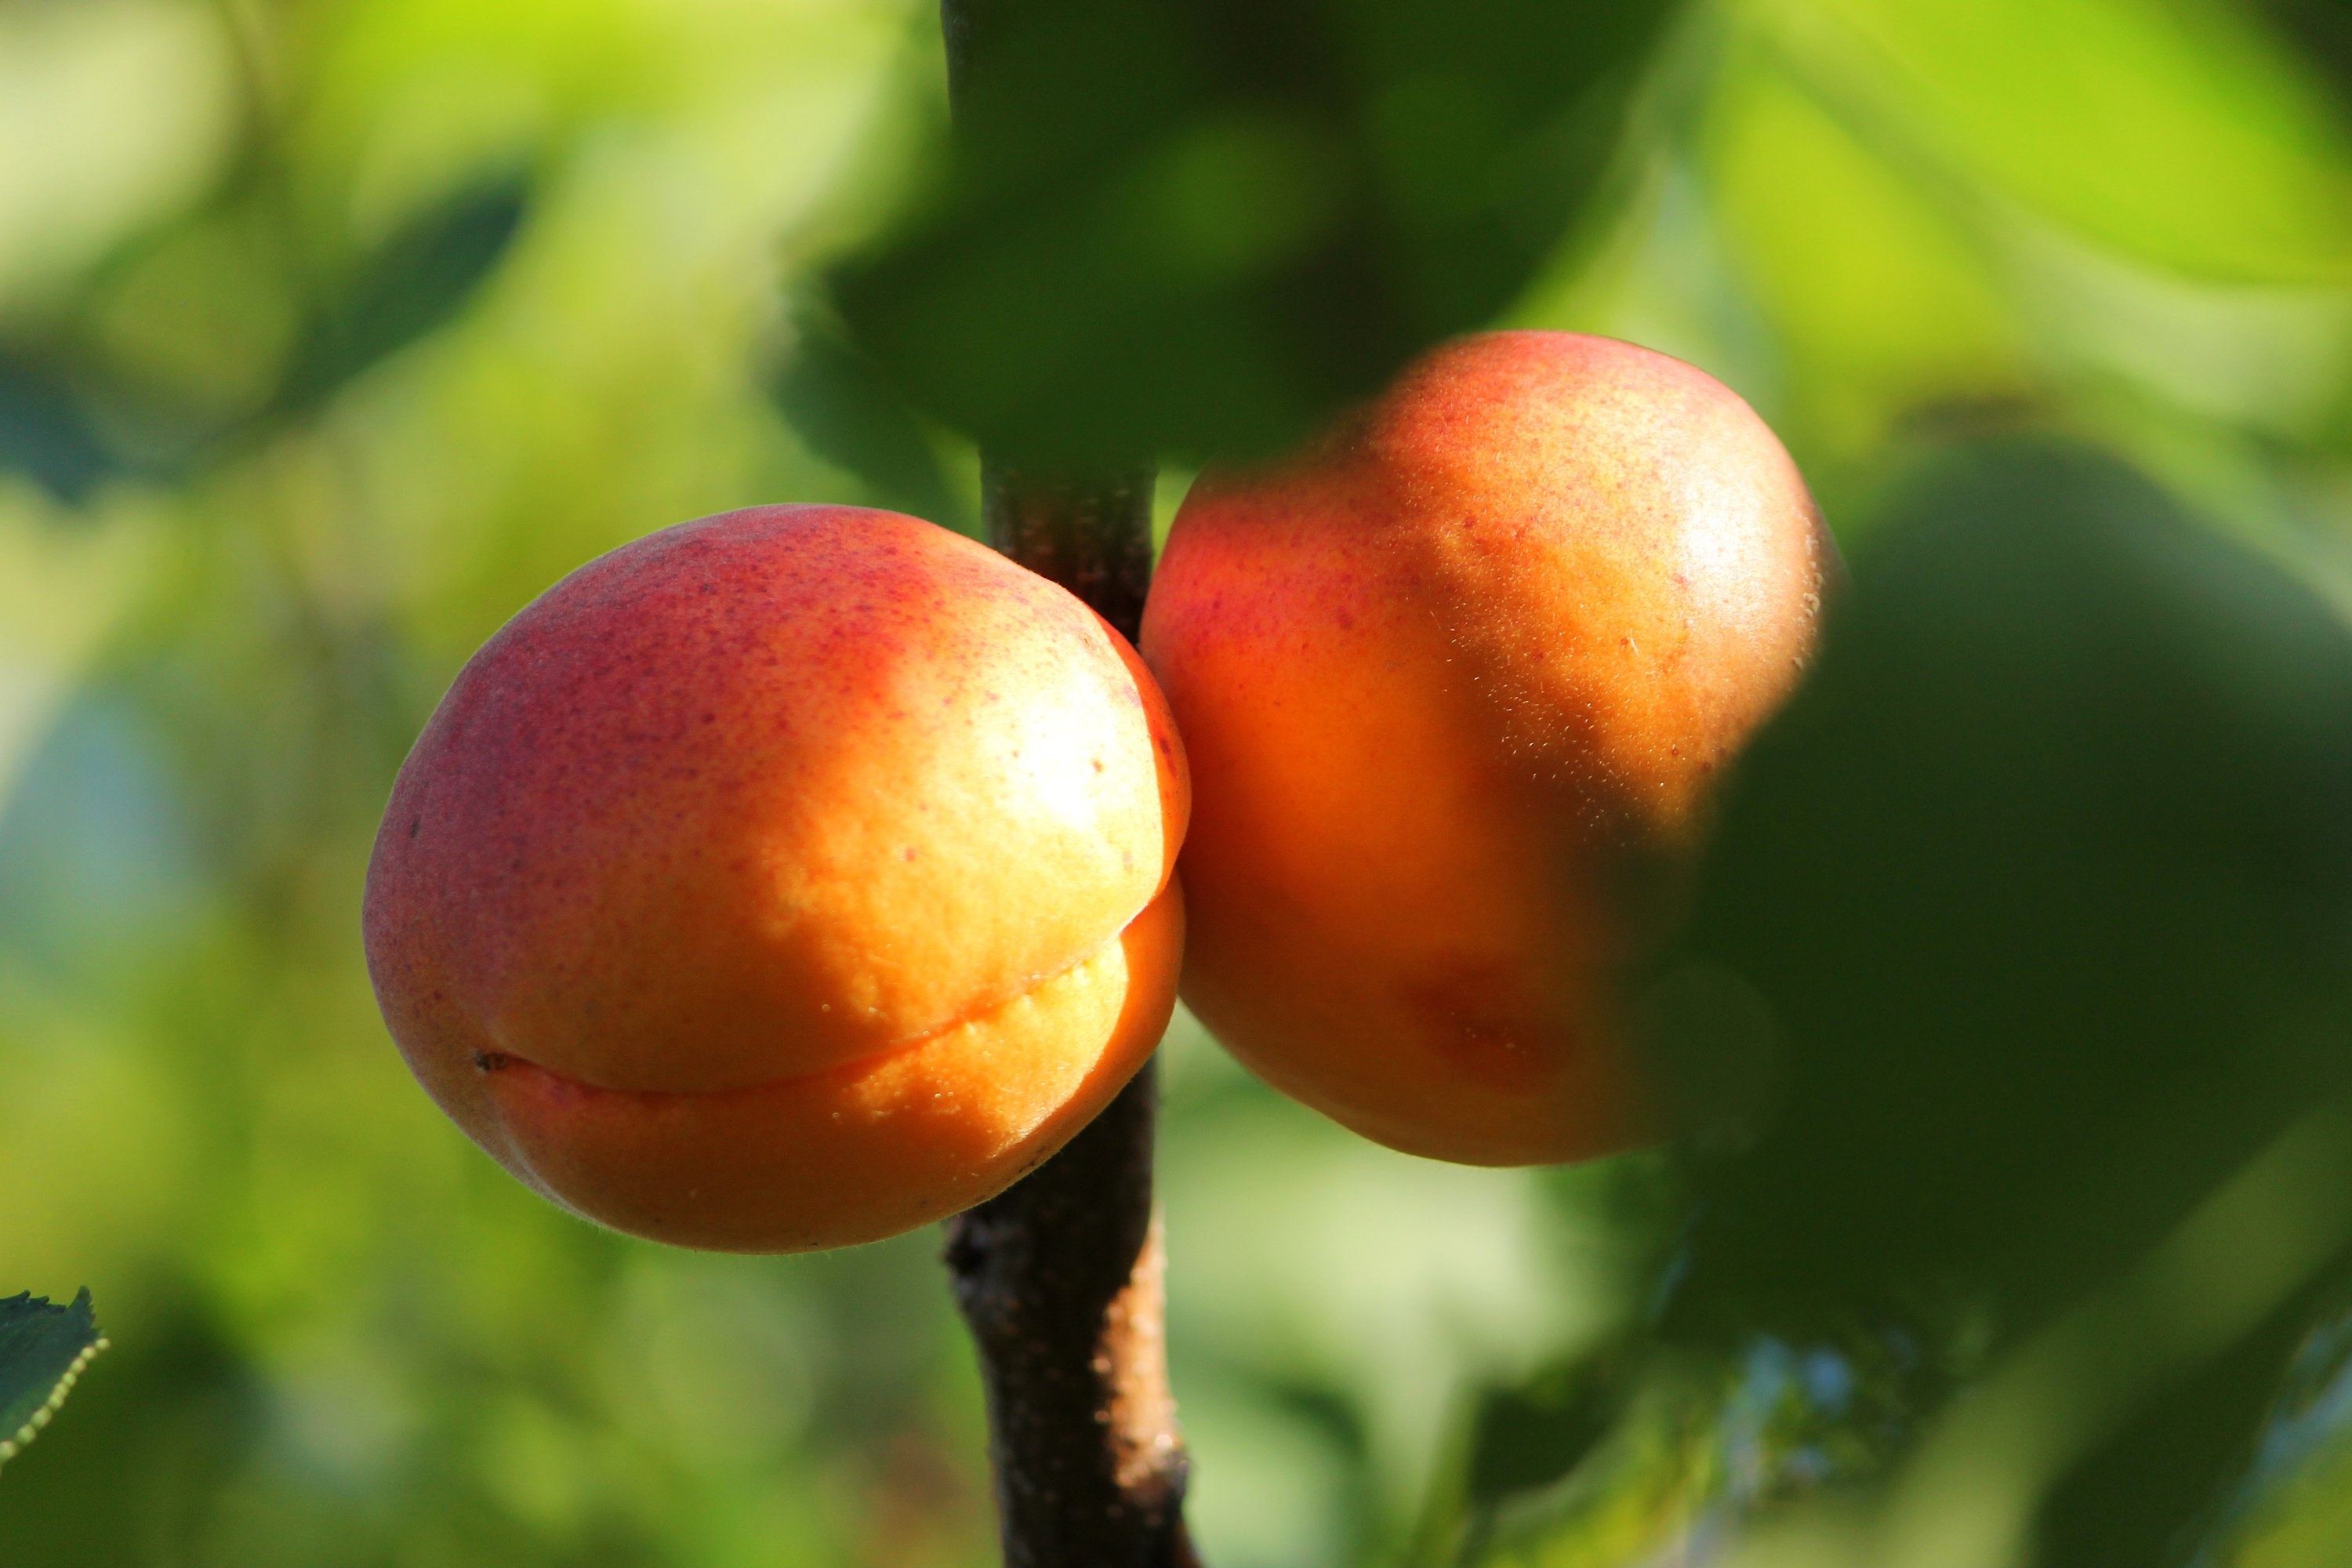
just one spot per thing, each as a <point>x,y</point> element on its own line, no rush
<point>2043,880</point>
<point>43,1349</point>
<point>847,414</point>
<point>416,281</point>
<point>2321,28</point>
<point>1530,1435</point>
<point>45,431</point>
<point>1904,308</point>
<point>2293,1503</point>
<point>2179,134</point>
<point>1194,230</point>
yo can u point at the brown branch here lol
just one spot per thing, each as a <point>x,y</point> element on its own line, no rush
<point>1060,1277</point>
<point>1091,534</point>
<point>1060,1281</point>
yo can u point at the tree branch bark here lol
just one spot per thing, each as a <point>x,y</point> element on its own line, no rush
<point>1091,533</point>
<point>1059,1277</point>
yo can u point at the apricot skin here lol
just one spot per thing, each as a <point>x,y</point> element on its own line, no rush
<point>784,879</point>
<point>1455,686</point>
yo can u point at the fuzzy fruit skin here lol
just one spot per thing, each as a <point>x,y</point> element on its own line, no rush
<point>1454,686</point>
<point>784,879</point>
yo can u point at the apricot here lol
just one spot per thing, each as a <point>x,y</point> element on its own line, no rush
<point>1455,686</point>
<point>783,879</point>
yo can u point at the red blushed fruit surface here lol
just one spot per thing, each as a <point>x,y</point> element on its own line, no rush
<point>1455,686</point>
<point>784,879</point>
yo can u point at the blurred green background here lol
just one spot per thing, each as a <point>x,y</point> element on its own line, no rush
<point>2017,995</point>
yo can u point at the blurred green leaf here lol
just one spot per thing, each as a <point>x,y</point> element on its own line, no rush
<point>1678,1449</point>
<point>2046,880</point>
<point>2323,27</point>
<point>1530,1435</point>
<point>412,282</point>
<point>2177,133</point>
<point>847,413</point>
<point>43,1350</point>
<point>2078,1442</point>
<point>2292,1504</point>
<point>1185,229</point>
<point>1902,307</point>
<point>45,432</point>
<point>2149,1495</point>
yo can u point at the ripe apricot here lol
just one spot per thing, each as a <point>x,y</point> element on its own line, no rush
<point>1455,685</point>
<point>783,879</point>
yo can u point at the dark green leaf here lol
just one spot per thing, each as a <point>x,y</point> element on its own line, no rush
<point>2321,28</point>
<point>847,413</point>
<point>1532,1435</point>
<point>2046,882</point>
<point>416,280</point>
<point>2290,1483</point>
<point>45,432</point>
<point>43,1350</point>
<point>1187,229</point>
<point>2145,1497</point>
